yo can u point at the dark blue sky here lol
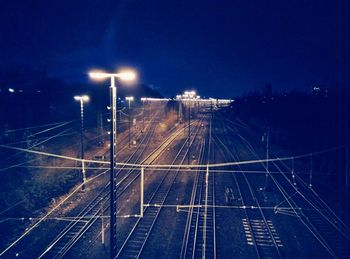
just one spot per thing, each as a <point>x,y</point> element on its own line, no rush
<point>221,48</point>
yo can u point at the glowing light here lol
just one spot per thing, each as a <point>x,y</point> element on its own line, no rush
<point>96,74</point>
<point>84,98</point>
<point>129,98</point>
<point>127,75</point>
<point>155,99</point>
<point>11,90</point>
<point>188,96</point>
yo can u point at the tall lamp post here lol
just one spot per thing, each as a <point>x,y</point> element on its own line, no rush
<point>126,75</point>
<point>129,99</point>
<point>82,99</point>
<point>143,99</point>
<point>179,113</point>
<point>189,96</point>
<point>189,132</point>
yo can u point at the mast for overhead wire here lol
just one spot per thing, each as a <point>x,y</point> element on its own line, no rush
<point>267,157</point>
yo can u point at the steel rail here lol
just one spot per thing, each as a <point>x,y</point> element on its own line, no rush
<point>262,251</point>
<point>144,226</point>
<point>127,183</point>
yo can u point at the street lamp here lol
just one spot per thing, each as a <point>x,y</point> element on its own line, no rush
<point>82,99</point>
<point>125,75</point>
<point>189,96</point>
<point>129,99</point>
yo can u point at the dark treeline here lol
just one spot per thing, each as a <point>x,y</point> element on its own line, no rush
<point>303,122</point>
<point>30,97</point>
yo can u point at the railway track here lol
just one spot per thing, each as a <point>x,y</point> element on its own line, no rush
<point>77,228</point>
<point>314,214</point>
<point>199,240</point>
<point>135,242</point>
<point>259,229</point>
<point>73,231</point>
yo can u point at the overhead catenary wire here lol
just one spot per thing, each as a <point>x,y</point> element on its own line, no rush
<point>246,162</point>
<point>77,188</point>
<point>161,169</point>
<point>193,169</point>
<point>306,222</point>
<point>31,147</point>
<point>38,126</point>
<point>174,206</point>
<point>35,159</point>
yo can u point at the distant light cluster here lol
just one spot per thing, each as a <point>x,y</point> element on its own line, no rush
<point>143,99</point>
<point>192,96</point>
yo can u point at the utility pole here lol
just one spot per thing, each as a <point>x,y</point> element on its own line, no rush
<point>142,191</point>
<point>143,115</point>
<point>267,158</point>
<point>311,167</point>
<point>102,224</point>
<point>347,165</point>
<point>100,128</point>
<point>293,172</point>
<point>129,124</point>
<point>347,160</point>
<point>129,99</point>
<point>82,99</point>
<point>180,111</point>
<point>189,133</point>
<point>205,212</point>
<point>212,127</point>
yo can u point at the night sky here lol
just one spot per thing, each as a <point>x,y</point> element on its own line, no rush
<point>220,48</point>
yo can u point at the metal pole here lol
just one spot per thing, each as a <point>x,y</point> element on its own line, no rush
<point>180,111</point>
<point>311,167</point>
<point>293,175</point>
<point>347,142</point>
<point>113,180</point>
<point>267,157</point>
<point>142,190</point>
<point>347,166</point>
<point>129,124</point>
<point>184,120</point>
<point>205,212</point>
<point>143,115</point>
<point>102,224</point>
<point>189,133</point>
<point>82,142</point>
<point>211,125</point>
